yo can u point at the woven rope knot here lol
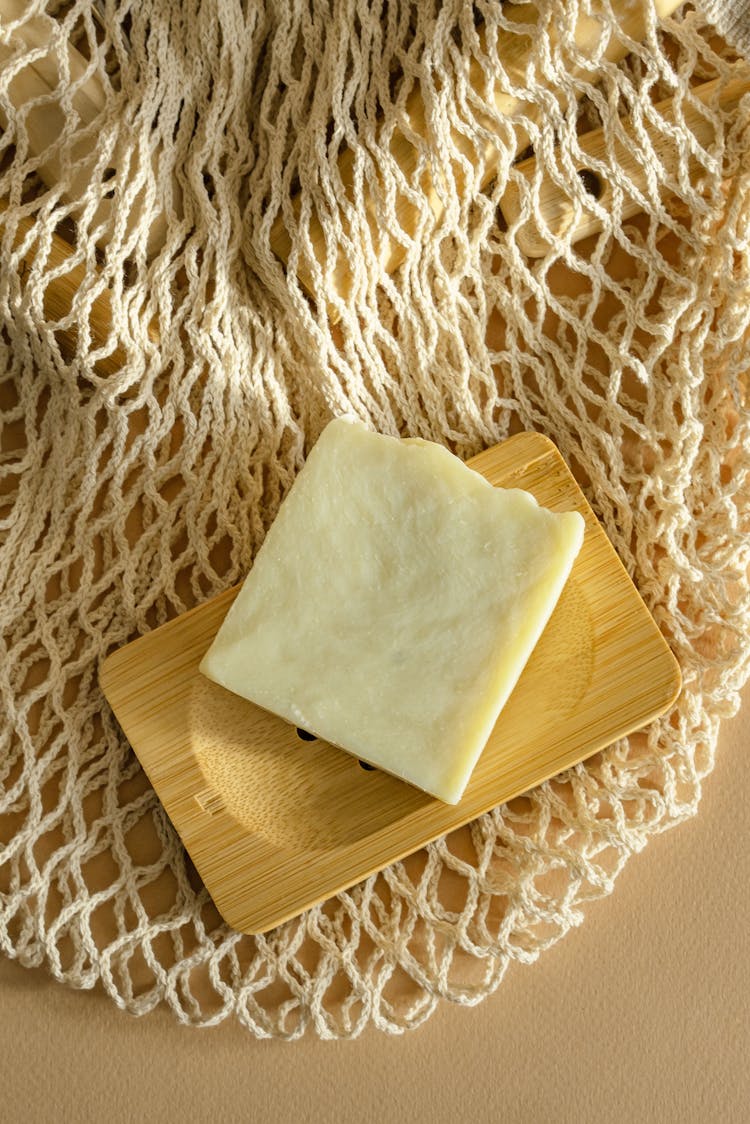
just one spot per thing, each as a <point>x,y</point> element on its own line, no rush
<point>163,373</point>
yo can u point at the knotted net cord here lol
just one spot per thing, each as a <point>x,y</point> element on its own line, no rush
<point>163,373</point>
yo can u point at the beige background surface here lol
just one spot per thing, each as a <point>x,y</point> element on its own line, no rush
<point>641,1015</point>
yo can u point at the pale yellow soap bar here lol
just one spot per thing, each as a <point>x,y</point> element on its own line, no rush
<point>394,604</point>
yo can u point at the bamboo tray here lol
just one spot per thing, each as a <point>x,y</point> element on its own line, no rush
<point>276,823</point>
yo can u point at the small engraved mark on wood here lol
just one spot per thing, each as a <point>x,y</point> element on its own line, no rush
<point>209,801</point>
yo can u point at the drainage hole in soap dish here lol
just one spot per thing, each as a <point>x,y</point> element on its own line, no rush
<point>306,736</point>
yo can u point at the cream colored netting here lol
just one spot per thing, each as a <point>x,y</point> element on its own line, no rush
<point>162,375</point>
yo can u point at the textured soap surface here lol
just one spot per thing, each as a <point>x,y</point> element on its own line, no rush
<point>394,604</point>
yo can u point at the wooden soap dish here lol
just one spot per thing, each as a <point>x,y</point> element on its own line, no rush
<point>275,822</point>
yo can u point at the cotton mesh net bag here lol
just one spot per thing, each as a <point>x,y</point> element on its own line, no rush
<point>225,223</point>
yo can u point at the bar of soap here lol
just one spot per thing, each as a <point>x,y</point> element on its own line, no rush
<point>394,604</point>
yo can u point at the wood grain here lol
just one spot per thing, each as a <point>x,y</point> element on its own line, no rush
<point>275,824</point>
